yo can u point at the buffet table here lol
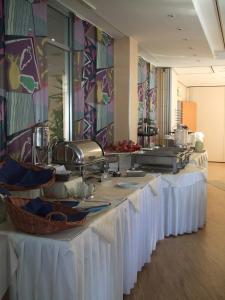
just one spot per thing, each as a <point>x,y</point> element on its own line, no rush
<point>9,263</point>
<point>97,261</point>
<point>185,200</point>
<point>199,159</point>
<point>101,259</point>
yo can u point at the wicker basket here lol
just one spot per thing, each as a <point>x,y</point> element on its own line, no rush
<point>30,223</point>
<point>28,166</point>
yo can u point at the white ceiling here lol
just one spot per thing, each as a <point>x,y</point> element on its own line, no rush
<point>170,33</point>
<point>201,76</point>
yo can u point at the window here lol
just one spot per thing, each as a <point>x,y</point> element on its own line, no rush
<point>58,26</point>
<point>58,53</point>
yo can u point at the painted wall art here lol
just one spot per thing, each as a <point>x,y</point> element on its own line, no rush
<point>2,90</point>
<point>24,78</point>
<point>146,90</point>
<point>146,99</point>
<point>93,83</point>
<point>24,90</point>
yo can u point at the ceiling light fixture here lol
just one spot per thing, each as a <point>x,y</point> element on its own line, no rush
<point>171,16</point>
<point>52,39</point>
<point>179,28</point>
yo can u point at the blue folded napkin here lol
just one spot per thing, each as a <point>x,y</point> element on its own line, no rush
<point>38,207</point>
<point>42,208</point>
<point>11,172</point>
<point>70,218</point>
<point>32,177</point>
<point>15,174</point>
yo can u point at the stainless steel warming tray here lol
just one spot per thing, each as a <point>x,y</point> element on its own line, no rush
<point>77,153</point>
<point>170,159</point>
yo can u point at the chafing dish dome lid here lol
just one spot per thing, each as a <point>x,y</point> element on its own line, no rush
<point>77,152</point>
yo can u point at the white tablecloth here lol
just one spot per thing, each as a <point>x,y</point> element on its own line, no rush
<point>199,159</point>
<point>8,264</point>
<point>101,262</point>
<point>185,200</point>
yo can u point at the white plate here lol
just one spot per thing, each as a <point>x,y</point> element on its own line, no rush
<point>128,185</point>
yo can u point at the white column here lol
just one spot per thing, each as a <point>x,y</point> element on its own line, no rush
<point>126,89</point>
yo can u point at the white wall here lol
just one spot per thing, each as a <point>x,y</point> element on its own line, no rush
<point>182,91</point>
<point>211,118</point>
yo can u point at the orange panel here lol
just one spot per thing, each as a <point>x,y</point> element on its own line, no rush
<point>189,109</point>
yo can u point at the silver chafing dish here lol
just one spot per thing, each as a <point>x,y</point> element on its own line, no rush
<point>165,159</point>
<point>79,156</point>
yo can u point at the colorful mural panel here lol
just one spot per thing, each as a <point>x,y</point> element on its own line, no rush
<point>2,126</point>
<point>146,90</point>
<point>89,122</point>
<point>24,91</point>
<point>40,97</point>
<point>25,84</point>
<point>89,65</point>
<point>18,18</point>
<point>104,50</point>
<point>40,105</point>
<point>78,90</point>
<point>142,70</point>
<point>2,91</point>
<point>93,84</point>
<point>20,112</point>
<point>21,66</point>
<point>20,146</point>
<point>105,136</point>
<point>41,60</point>
<point>104,116</point>
<point>104,79</point>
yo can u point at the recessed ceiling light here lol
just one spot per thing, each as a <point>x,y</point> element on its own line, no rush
<point>179,28</point>
<point>52,39</point>
<point>171,16</point>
